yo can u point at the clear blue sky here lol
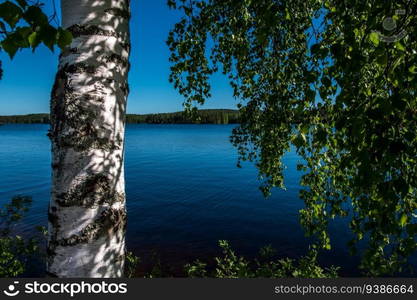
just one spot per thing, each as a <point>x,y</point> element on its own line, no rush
<point>27,80</point>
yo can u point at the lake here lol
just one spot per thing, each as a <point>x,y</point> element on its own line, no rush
<point>184,193</point>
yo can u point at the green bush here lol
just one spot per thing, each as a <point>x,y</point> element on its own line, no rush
<point>131,262</point>
<point>15,251</point>
<point>231,265</point>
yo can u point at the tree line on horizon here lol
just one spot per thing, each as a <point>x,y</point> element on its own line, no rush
<point>206,116</point>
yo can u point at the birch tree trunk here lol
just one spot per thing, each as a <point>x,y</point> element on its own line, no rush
<point>87,215</point>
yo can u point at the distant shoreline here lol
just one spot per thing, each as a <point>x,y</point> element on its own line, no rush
<point>207,116</point>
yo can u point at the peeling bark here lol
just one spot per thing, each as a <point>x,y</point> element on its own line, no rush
<point>87,214</point>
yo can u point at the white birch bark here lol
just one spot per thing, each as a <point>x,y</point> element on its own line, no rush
<point>87,214</point>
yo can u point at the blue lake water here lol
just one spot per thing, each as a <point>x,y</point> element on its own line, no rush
<point>184,193</point>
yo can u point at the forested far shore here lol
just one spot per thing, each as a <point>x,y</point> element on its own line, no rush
<point>207,116</point>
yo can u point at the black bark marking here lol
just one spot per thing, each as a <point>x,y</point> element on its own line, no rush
<point>125,89</point>
<point>67,51</point>
<point>80,68</point>
<point>117,59</point>
<point>60,88</point>
<point>125,46</point>
<point>124,13</point>
<point>86,138</point>
<point>53,220</point>
<point>111,221</point>
<point>95,190</point>
<point>80,30</point>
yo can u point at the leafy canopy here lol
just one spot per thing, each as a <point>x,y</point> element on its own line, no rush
<point>23,24</point>
<point>335,80</point>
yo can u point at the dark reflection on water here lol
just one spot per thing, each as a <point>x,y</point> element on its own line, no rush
<point>184,193</point>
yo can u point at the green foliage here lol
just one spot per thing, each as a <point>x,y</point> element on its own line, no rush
<point>131,263</point>
<point>206,116</point>
<point>14,250</point>
<point>25,119</point>
<point>231,265</point>
<point>158,269</point>
<point>24,25</point>
<point>14,254</point>
<point>327,78</point>
<point>12,212</point>
<point>196,269</point>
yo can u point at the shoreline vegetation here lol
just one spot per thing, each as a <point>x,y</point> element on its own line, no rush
<point>207,116</point>
<point>20,255</point>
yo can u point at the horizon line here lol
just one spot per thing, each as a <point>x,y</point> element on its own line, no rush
<point>140,114</point>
